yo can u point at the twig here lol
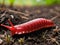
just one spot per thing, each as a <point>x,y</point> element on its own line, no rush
<point>17,12</point>
<point>57,15</point>
<point>3,14</point>
<point>45,34</point>
<point>54,40</point>
<point>57,29</point>
<point>23,17</point>
<point>54,18</point>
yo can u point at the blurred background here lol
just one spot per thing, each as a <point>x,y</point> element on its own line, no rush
<point>21,11</point>
<point>29,2</point>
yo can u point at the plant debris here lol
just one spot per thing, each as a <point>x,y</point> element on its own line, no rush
<point>48,36</point>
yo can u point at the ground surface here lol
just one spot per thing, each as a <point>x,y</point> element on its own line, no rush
<point>48,37</point>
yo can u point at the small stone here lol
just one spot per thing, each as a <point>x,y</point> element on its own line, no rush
<point>2,36</point>
<point>1,41</point>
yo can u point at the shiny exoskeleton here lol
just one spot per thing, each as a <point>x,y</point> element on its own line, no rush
<point>30,26</point>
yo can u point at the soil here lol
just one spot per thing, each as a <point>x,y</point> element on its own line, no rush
<point>48,36</point>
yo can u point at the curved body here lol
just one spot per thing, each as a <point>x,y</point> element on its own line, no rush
<point>30,26</point>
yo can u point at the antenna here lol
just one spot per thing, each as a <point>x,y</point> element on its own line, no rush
<point>10,23</point>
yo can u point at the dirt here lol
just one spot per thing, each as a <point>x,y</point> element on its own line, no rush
<point>48,36</point>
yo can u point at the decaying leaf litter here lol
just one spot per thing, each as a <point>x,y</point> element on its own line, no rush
<point>48,36</point>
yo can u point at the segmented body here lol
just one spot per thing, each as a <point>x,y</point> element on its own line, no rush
<point>30,26</point>
<point>33,25</point>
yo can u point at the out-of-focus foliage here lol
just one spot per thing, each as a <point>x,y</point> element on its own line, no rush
<point>11,2</point>
<point>43,2</point>
<point>58,1</point>
<point>29,2</point>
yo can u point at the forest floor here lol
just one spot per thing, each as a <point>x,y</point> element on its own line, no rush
<point>48,36</point>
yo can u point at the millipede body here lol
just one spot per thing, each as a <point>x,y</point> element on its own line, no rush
<point>30,26</point>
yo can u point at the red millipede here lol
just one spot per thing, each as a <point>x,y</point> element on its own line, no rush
<point>30,26</point>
